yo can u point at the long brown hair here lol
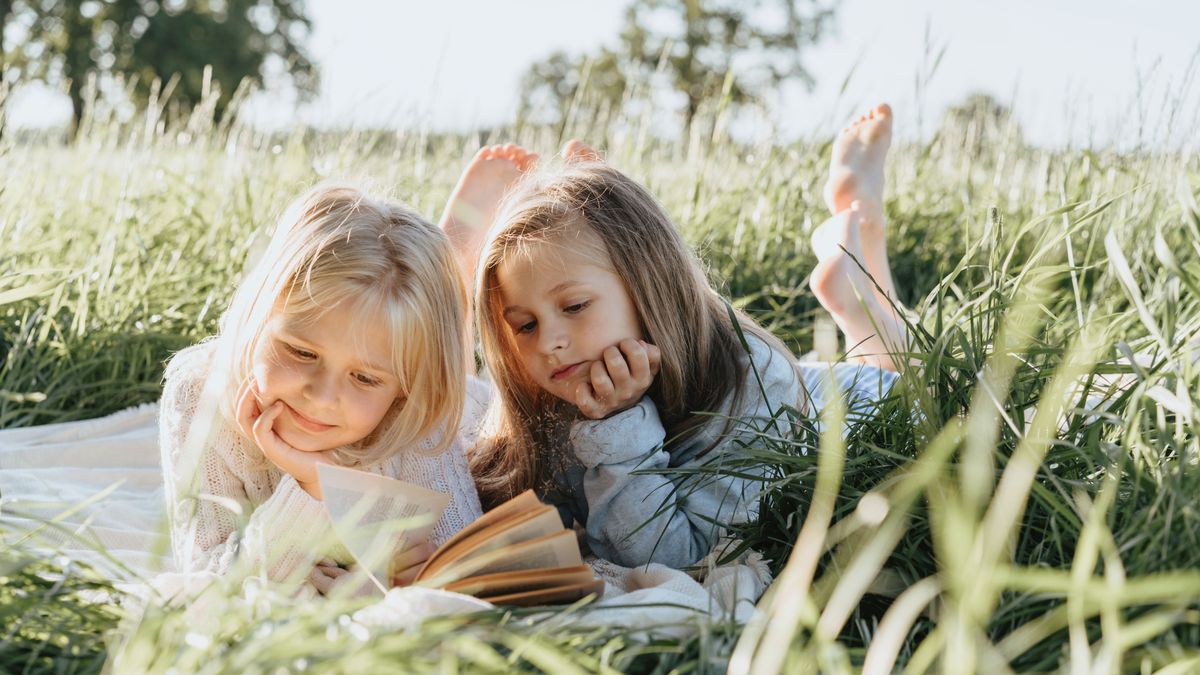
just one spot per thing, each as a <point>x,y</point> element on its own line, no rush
<point>677,308</point>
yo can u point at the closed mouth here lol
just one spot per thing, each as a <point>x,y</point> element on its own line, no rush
<point>565,371</point>
<point>307,423</point>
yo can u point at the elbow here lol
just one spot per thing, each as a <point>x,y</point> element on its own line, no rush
<point>676,548</point>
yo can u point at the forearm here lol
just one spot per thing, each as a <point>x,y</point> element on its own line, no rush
<point>635,515</point>
<point>637,519</point>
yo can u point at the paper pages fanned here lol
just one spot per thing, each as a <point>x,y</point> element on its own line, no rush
<point>377,517</point>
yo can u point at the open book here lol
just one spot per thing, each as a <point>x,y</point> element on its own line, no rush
<point>518,553</point>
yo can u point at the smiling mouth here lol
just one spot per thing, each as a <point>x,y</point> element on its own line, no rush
<point>307,423</point>
<point>566,371</point>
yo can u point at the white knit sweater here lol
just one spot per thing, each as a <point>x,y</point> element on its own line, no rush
<point>235,509</point>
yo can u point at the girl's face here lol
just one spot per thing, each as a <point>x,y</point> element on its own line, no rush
<point>563,310</point>
<point>333,376</point>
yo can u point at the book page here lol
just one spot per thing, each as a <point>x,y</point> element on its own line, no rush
<point>376,517</point>
<point>521,527</point>
<point>506,583</point>
<point>549,596</point>
<point>560,549</point>
<point>526,501</point>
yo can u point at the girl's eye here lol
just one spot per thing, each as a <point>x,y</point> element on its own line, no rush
<point>526,327</point>
<point>576,308</point>
<point>302,354</point>
<point>366,380</point>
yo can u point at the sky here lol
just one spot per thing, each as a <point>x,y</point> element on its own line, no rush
<point>1074,71</point>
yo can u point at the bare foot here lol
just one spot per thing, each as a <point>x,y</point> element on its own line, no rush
<point>473,203</point>
<point>856,174</point>
<point>856,167</point>
<point>576,150</point>
<point>839,282</point>
<point>871,327</point>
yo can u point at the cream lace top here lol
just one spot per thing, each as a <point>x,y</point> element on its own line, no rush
<point>243,511</point>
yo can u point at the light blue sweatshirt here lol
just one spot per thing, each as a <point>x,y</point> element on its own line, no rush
<point>637,518</point>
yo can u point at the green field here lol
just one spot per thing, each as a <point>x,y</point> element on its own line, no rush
<point>1021,531</point>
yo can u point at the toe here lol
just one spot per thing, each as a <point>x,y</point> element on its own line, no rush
<point>529,160</point>
<point>883,110</point>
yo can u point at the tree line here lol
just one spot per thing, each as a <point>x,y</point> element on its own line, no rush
<point>197,47</point>
<point>729,50</point>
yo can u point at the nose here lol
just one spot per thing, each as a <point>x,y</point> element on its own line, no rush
<point>552,336</point>
<point>321,387</point>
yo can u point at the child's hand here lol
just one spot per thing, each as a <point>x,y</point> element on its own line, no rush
<point>619,380</point>
<point>259,424</point>
<point>408,562</point>
<point>325,575</point>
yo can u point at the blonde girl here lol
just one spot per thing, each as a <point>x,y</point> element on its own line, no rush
<point>346,343</point>
<point>618,370</point>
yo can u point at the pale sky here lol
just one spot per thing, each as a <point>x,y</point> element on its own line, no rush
<point>1074,70</point>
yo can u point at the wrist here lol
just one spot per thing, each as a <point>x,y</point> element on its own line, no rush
<point>625,435</point>
<point>313,488</point>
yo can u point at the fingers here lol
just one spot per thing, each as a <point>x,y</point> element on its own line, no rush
<point>654,355</point>
<point>248,407</point>
<point>406,577</point>
<point>642,360</point>
<point>602,379</point>
<point>636,361</point>
<point>619,379</point>
<point>585,400</point>
<point>325,575</point>
<point>300,464</point>
<point>263,429</point>
<point>413,555</point>
<point>407,563</point>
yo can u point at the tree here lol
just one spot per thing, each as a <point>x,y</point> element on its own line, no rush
<point>10,59</point>
<point>979,122</point>
<point>703,48</point>
<point>75,40</point>
<point>556,83</point>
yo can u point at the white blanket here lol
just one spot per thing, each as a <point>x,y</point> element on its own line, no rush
<point>102,481</point>
<point>60,470</point>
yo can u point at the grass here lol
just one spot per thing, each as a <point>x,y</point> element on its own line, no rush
<point>986,517</point>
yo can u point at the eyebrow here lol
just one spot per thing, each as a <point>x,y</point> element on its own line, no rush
<point>557,289</point>
<point>292,336</point>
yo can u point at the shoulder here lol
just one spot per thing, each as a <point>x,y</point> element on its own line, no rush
<point>186,372</point>
<point>191,363</point>
<point>186,409</point>
<point>475,408</point>
<point>184,399</point>
<point>775,367</point>
<point>479,395</point>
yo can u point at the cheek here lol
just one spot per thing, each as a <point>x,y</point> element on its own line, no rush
<point>368,409</point>
<point>273,378</point>
<point>526,353</point>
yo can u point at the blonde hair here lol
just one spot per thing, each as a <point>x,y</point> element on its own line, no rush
<point>336,245</point>
<point>677,310</point>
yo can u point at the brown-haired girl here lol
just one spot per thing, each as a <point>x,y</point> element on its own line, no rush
<point>618,370</point>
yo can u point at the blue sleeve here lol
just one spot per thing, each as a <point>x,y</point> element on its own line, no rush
<point>624,522</point>
<point>643,517</point>
<point>861,385</point>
